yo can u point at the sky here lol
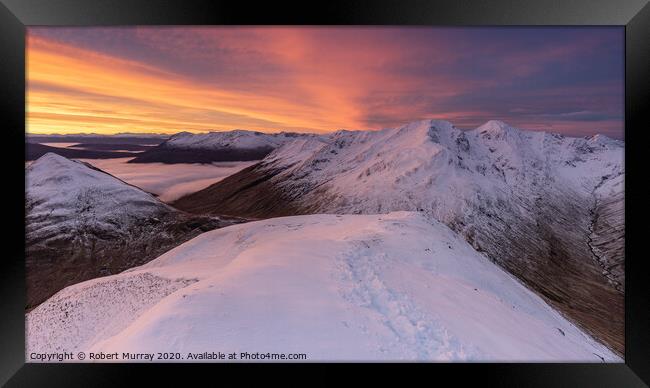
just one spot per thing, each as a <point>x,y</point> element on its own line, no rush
<point>322,79</point>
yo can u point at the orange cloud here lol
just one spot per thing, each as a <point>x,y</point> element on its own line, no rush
<point>320,79</point>
<point>130,96</point>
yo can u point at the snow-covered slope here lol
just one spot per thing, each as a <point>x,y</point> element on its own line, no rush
<point>335,287</point>
<point>525,199</point>
<point>209,147</point>
<point>58,189</point>
<point>82,223</point>
<point>237,139</point>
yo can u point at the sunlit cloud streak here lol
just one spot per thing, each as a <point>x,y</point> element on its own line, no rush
<point>171,79</point>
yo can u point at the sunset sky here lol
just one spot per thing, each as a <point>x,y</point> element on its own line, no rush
<point>172,79</point>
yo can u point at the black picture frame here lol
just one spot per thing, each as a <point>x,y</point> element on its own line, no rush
<point>15,15</point>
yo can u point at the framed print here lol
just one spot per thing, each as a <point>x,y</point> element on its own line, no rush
<point>205,184</point>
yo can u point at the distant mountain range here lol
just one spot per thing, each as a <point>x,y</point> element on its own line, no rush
<point>125,138</point>
<point>546,207</point>
<point>90,146</point>
<point>34,151</point>
<point>237,145</point>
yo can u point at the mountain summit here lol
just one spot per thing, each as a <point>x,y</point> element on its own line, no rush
<point>546,207</point>
<point>83,223</point>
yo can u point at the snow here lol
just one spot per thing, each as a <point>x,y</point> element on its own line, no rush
<point>435,148</point>
<point>238,138</point>
<point>392,284</point>
<point>336,287</point>
<point>48,183</point>
<point>137,293</point>
<point>453,176</point>
<point>526,199</point>
<point>67,195</point>
<point>168,181</point>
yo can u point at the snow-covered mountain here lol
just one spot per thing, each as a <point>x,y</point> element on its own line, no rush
<point>236,145</point>
<point>334,287</point>
<point>82,223</point>
<point>546,207</point>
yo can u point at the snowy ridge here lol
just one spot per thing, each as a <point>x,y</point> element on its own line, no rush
<point>335,287</point>
<point>231,139</point>
<point>237,145</point>
<point>523,198</point>
<point>430,164</point>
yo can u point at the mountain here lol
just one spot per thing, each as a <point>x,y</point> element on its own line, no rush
<point>112,147</point>
<point>545,207</point>
<point>237,145</point>
<point>119,138</point>
<point>335,287</point>
<point>35,151</point>
<point>82,223</point>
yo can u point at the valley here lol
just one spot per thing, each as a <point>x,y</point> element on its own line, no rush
<point>544,208</point>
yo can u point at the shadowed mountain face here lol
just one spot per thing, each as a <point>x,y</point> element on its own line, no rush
<point>542,206</point>
<point>250,191</point>
<point>166,154</point>
<point>237,145</point>
<point>82,223</point>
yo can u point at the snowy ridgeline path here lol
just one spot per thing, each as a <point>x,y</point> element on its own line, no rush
<point>352,287</point>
